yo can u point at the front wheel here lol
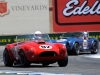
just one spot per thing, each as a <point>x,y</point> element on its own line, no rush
<point>95,48</point>
<point>76,49</point>
<point>23,60</point>
<point>64,62</point>
<point>6,58</point>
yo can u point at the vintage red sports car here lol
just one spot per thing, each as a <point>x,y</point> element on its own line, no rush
<point>30,49</point>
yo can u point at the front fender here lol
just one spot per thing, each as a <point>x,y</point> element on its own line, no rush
<point>7,47</point>
<point>28,51</point>
<point>70,44</point>
<point>73,44</point>
<point>94,40</point>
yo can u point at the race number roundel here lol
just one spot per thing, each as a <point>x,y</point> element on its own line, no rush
<point>45,47</point>
<point>85,44</point>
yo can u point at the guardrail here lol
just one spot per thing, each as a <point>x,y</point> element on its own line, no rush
<point>5,39</point>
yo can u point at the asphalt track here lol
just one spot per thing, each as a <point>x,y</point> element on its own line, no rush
<point>81,64</point>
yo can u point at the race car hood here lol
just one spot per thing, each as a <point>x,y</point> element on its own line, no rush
<point>62,40</point>
<point>66,39</point>
<point>40,46</point>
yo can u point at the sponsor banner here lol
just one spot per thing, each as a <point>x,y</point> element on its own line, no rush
<point>24,16</point>
<point>54,36</point>
<point>7,39</point>
<point>76,15</point>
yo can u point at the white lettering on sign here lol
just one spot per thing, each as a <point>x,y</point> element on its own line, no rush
<point>83,9</point>
<point>45,47</point>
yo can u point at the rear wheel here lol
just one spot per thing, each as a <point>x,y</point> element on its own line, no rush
<point>23,60</point>
<point>76,49</point>
<point>64,62</point>
<point>95,48</point>
<point>6,58</point>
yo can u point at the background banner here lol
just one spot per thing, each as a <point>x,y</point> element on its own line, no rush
<point>54,36</point>
<point>24,16</point>
<point>76,15</point>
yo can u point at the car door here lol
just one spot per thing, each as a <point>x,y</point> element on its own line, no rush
<point>89,43</point>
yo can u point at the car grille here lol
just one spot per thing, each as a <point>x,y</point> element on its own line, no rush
<point>48,54</point>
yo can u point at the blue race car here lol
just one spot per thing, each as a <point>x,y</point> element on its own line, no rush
<point>76,44</point>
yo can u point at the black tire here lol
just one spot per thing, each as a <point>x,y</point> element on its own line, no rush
<point>64,62</point>
<point>6,58</point>
<point>76,49</point>
<point>23,60</point>
<point>95,48</point>
<point>45,64</point>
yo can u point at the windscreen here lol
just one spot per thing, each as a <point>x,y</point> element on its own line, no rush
<point>33,37</point>
<point>71,34</point>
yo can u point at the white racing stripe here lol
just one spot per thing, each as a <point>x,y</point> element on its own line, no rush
<point>32,73</point>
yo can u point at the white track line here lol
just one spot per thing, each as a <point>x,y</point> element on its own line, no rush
<point>93,56</point>
<point>31,73</point>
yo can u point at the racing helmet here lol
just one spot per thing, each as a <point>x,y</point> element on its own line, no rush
<point>85,34</point>
<point>38,34</point>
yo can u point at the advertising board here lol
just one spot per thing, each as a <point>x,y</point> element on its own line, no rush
<point>7,39</point>
<point>76,15</point>
<point>24,16</point>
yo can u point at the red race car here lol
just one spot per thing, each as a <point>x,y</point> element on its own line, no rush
<point>34,49</point>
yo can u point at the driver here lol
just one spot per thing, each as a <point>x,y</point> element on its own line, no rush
<point>38,35</point>
<point>85,35</point>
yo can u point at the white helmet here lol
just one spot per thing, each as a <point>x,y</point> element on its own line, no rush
<point>38,32</point>
<point>38,35</point>
<point>85,32</point>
